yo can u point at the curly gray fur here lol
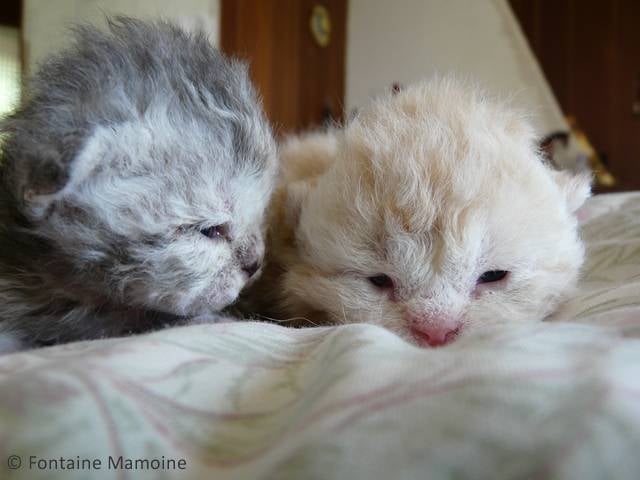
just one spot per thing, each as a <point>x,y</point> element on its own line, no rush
<point>128,147</point>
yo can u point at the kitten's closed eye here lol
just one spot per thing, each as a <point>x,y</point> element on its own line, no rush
<point>492,276</point>
<point>216,232</point>
<point>381,281</point>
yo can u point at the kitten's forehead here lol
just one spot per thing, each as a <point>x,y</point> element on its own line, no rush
<point>155,148</point>
<point>437,151</point>
<point>438,131</point>
<point>136,101</point>
<point>171,176</point>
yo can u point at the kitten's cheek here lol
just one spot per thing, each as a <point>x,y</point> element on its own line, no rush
<point>487,290</point>
<point>236,282</point>
<point>223,298</point>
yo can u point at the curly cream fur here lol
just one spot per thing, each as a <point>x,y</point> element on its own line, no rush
<point>432,187</point>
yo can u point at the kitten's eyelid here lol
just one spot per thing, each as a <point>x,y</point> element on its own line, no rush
<point>212,231</point>
<point>217,232</point>
<point>381,281</point>
<point>493,276</point>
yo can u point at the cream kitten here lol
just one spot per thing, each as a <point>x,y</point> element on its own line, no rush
<point>431,214</point>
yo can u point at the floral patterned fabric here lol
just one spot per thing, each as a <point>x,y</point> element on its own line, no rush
<point>239,400</point>
<point>609,293</point>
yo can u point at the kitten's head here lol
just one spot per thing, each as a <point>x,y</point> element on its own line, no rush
<point>437,217</point>
<point>142,156</point>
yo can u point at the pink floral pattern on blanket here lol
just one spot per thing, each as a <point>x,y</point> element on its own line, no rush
<point>251,400</point>
<point>609,293</point>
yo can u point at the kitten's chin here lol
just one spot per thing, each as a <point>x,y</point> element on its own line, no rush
<point>205,305</point>
<point>218,301</point>
<point>211,305</point>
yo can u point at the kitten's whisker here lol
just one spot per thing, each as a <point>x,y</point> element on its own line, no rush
<point>287,320</point>
<point>344,314</point>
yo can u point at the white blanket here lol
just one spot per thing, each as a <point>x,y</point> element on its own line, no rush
<point>249,400</point>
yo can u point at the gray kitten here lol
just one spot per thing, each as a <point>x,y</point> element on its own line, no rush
<point>133,184</point>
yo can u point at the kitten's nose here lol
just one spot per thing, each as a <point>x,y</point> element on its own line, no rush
<point>251,268</point>
<point>434,335</point>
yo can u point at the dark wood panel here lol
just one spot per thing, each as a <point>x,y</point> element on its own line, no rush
<point>590,53</point>
<point>591,77</point>
<point>626,88</point>
<point>322,68</point>
<point>299,80</point>
<point>11,13</point>
<point>553,45</point>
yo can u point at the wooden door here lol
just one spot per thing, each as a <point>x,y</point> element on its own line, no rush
<point>301,80</point>
<point>590,53</point>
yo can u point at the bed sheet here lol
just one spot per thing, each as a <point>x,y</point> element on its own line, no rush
<point>236,400</point>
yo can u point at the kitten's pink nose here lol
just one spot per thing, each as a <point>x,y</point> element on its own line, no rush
<point>434,335</point>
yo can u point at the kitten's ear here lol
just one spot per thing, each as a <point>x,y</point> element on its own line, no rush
<point>296,194</point>
<point>42,169</point>
<point>575,187</point>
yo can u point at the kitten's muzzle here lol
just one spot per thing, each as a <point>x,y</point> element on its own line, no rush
<point>250,256</point>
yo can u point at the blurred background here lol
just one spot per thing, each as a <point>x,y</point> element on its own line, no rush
<point>574,64</point>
